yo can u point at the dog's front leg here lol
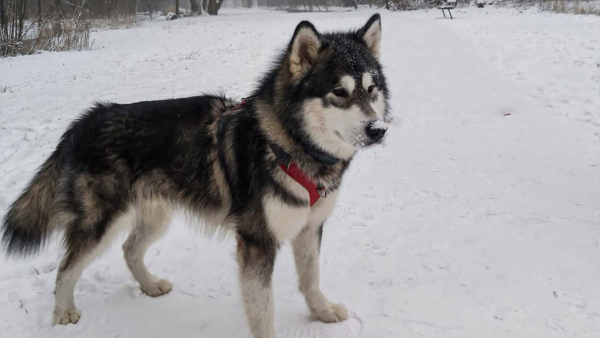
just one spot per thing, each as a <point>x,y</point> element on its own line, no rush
<point>256,261</point>
<point>307,246</point>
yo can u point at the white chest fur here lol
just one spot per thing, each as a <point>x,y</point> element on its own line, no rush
<point>286,221</point>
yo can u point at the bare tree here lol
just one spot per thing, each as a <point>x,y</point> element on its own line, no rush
<point>177,7</point>
<point>195,6</point>
<point>12,19</point>
<point>149,8</point>
<point>214,6</point>
<point>58,8</point>
<point>39,12</point>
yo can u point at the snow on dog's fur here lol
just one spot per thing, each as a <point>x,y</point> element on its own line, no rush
<point>128,166</point>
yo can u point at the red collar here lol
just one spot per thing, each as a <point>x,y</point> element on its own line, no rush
<point>314,191</point>
<point>292,170</point>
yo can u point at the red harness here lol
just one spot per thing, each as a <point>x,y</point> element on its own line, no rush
<point>297,175</point>
<point>293,171</point>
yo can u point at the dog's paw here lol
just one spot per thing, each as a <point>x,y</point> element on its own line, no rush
<point>159,288</point>
<point>64,317</point>
<point>333,313</point>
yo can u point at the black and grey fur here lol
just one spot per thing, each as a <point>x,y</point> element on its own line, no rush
<point>130,165</point>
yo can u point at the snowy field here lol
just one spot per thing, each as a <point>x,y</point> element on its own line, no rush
<point>480,218</point>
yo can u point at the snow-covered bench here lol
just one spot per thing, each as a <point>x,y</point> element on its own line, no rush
<point>448,5</point>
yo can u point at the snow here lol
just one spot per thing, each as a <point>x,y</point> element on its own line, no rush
<point>379,125</point>
<point>470,223</point>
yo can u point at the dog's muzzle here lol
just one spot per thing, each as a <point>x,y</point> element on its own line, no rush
<point>376,130</point>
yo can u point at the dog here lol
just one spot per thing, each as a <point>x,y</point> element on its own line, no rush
<point>268,169</point>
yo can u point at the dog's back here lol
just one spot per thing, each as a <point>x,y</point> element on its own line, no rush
<point>109,154</point>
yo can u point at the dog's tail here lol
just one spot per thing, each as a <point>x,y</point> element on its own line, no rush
<point>28,222</point>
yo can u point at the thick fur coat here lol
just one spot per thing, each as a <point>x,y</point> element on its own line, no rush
<point>131,165</point>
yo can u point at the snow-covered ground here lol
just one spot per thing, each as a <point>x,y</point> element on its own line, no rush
<point>479,218</point>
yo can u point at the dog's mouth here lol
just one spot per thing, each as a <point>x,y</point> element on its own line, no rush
<point>360,140</point>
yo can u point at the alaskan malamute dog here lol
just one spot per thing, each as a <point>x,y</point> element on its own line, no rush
<point>268,169</point>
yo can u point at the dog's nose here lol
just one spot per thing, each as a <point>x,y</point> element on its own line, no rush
<point>376,131</point>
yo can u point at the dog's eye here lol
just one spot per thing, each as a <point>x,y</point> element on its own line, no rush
<point>339,92</point>
<point>370,89</point>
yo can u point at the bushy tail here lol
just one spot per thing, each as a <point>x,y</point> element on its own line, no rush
<point>28,221</point>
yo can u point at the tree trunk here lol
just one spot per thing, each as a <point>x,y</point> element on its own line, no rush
<point>195,6</point>
<point>214,6</point>
<point>22,18</point>
<point>59,8</point>
<point>177,7</point>
<point>3,20</point>
<point>149,8</point>
<point>40,16</point>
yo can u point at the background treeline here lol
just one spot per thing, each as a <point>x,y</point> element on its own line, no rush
<point>57,25</point>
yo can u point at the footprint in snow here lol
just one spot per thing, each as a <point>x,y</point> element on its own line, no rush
<point>349,328</point>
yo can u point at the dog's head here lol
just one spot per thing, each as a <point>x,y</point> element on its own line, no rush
<point>335,87</point>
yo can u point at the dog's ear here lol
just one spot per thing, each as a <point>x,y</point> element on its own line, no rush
<point>371,34</point>
<point>304,48</point>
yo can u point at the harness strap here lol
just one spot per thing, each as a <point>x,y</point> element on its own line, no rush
<point>314,191</point>
<point>292,170</point>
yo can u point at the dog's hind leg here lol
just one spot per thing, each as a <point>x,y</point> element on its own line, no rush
<point>152,220</point>
<point>306,247</point>
<point>86,238</point>
<point>256,259</point>
<point>69,271</point>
